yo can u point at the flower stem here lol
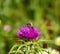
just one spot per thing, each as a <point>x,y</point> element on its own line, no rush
<point>50,41</point>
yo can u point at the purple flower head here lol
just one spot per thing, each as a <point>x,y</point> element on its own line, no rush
<point>28,32</point>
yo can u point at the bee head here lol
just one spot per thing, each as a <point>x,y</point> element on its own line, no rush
<point>29,24</point>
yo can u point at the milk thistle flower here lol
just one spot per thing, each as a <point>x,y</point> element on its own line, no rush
<point>28,32</point>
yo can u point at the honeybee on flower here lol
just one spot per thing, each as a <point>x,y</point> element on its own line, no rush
<point>28,32</point>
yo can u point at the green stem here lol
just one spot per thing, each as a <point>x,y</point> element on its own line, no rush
<point>44,41</point>
<point>11,51</point>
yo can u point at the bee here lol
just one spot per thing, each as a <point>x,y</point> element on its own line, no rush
<point>29,24</point>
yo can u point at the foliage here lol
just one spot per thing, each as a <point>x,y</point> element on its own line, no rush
<point>44,14</point>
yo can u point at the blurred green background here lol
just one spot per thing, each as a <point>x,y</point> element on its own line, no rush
<point>44,14</point>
